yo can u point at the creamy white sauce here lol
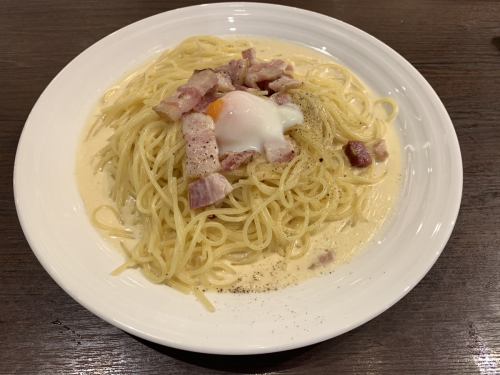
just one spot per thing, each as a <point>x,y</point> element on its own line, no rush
<point>271,272</point>
<point>246,122</point>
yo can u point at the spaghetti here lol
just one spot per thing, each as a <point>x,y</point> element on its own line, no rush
<point>273,208</point>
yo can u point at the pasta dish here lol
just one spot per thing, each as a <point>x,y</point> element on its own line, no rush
<point>239,164</point>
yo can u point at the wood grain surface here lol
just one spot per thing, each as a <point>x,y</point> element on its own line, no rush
<point>449,324</point>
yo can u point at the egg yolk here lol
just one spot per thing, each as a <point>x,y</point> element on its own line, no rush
<point>215,108</point>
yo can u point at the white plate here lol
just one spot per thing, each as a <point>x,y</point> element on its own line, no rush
<point>79,260</point>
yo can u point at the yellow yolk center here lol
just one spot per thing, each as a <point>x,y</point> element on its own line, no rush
<point>215,108</point>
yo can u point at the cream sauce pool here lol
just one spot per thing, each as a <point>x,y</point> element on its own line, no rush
<point>271,272</point>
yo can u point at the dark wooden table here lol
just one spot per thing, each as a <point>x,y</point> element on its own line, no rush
<point>450,323</point>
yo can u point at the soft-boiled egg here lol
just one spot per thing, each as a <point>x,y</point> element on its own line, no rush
<point>245,122</point>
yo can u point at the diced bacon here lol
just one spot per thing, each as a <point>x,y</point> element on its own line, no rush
<point>173,107</point>
<point>202,153</point>
<point>266,71</point>
<point>208,190</point>
<point>284,83</point>
<point>281,98</point>
<point>234,160</point>
<point>279,151</point>
<point>250,55</point>
<point>201,80</point>
<point>323,259</point>
<point>224,83</point>
<point>237,70</point>
<point>380,150</point>
<point>357,154</point>
<point>188,95</point>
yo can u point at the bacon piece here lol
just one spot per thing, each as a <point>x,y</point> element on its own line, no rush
<point>266,71</point>
<point>281,98</point>
<point>202,153</point>
<point>250,55</point>
<point>357,154</point>
<point>187,96</point>
<point>224,83</point>
<point>173,107</point>
<point>323,259</point>
<point>208,190</point>
<point>234,160</point>
<point>250,72</point>
<point>284,83</point>
<point>201,80</point>
<point>380,150</point>
<point>279,150</point>
<point>236,69</point>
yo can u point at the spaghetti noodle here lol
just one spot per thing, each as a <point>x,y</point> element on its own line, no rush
<point>273,208</point>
